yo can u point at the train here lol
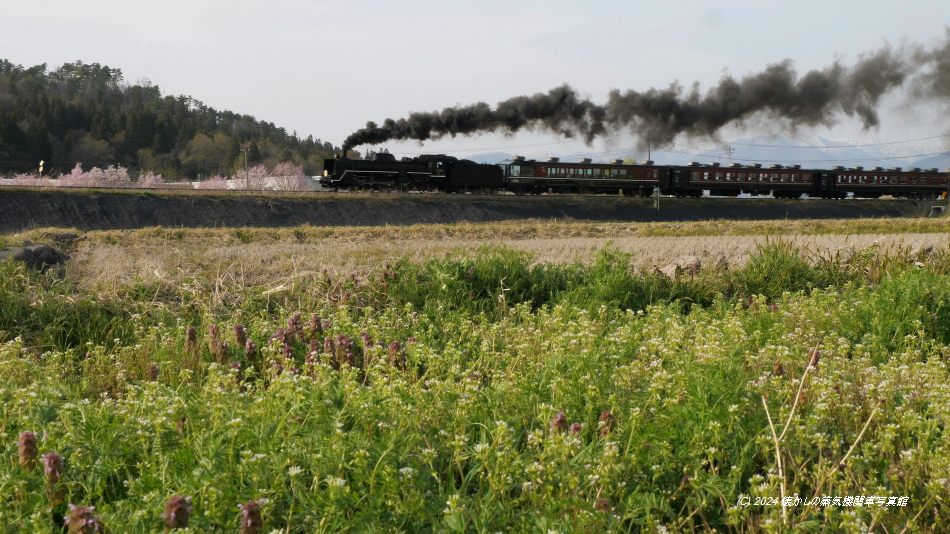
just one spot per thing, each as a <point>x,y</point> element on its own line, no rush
<point>518,175</point>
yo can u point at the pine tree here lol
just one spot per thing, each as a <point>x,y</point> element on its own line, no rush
<point>254,154</point>
<point>231,158</point>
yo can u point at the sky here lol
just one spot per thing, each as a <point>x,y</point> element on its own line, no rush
<point>326,68</point>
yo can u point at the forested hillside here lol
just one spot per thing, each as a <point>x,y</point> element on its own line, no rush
<point>87,113</point>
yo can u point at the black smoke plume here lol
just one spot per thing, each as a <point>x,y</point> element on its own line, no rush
<point>817,98</point>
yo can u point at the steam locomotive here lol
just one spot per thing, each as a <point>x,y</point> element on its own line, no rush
<point>521,176</point>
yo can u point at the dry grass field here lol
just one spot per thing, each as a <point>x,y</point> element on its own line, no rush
<point>256,256</point>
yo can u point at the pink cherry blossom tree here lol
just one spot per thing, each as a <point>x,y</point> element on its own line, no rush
<point>289,177</point>
<point>217,182</point>
<point>149,180</point>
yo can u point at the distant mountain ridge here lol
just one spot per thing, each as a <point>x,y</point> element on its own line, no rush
<point>811,152</point>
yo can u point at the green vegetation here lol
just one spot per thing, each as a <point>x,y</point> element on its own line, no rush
<point>86,113</point>
<point>427,396</point>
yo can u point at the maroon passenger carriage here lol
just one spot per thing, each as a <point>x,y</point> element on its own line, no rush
<point>781,181</point>
<point>876,182</point>
<point>554,176</point>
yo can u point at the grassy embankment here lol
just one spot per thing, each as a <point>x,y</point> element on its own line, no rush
<point>425,394</point>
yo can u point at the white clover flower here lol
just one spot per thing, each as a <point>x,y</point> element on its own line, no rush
<point>407,472</point>
<point>294,471</point>
<point>333,481</point>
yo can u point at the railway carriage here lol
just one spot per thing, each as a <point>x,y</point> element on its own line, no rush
<point>876,182</point>
<point>584,176</point>
<point>782,182</point>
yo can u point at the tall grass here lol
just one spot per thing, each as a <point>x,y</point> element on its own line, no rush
<point>420,397</point>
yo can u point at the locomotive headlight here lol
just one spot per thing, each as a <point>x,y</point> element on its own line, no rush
<point>325,173</point>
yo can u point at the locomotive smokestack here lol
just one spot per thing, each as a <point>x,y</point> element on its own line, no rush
<point>817,98</point>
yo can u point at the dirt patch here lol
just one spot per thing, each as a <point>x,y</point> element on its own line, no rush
<point>25,209</point>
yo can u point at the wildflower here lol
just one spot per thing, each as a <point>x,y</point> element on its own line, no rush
<point>250,350</point>
<point>294,471</point>
<point>251,520</point>
<point>367,341</point>
<point>407,472</point>
<point>215,345</point>
<point>576,428</point>
<point>316,326</point>
<point>293,324</point>
<point>27,449</point>
<point>559,423</point>
<point>153,373</point>
<point>240,336</point>
<point>177,512</point>
<point>191,340</point>
<point>396,359</point>
<point>778,369</point>
<point>81,520</point>
<point>813,357</point>
<point>602,505</point>
<point>605,422</point>
<point>335,482</point>
<point>52,467</point>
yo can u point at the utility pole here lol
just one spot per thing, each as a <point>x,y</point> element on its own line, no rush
<point>729,150</point>
<point>247,182</point>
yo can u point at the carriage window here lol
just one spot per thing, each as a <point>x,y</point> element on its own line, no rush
<point>623,172</point>
<point>596,173</point>
<point>924,180</point>
<point>903,179</point>
<point>515,170</point>
<point>728,176</point>
<point>863,179</point>
<point>718,176</point>
<point>784,177</point>
<point>613,172</point>
<point>706,176</point>
<point>695,175</point>
<point>751,176</point>
<point>913,181</point>
<point>741,177</point>
<point>774,177</point>
<point>840,179</point>
<point>655,175</point>
<point>795,178</point>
